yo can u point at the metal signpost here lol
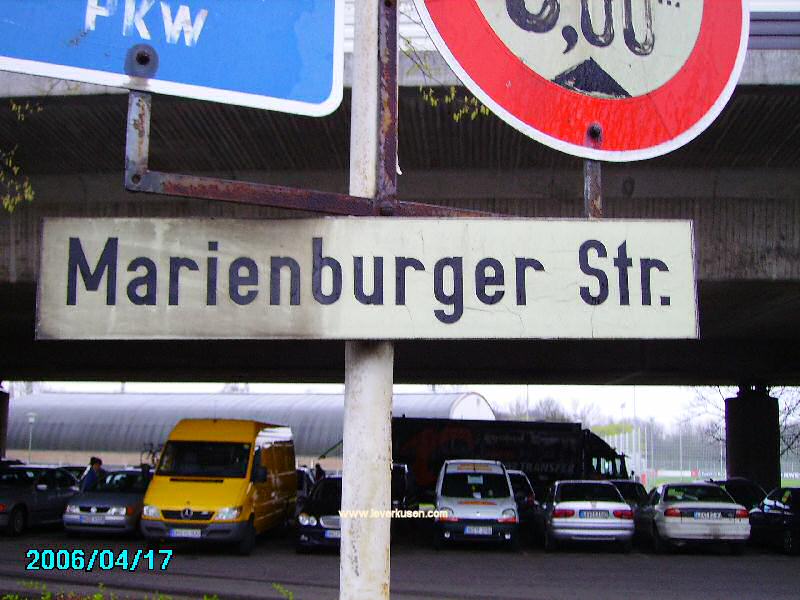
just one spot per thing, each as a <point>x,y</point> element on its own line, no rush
<point>283,55</point>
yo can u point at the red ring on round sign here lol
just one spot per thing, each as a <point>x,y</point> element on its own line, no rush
<point>633,128</point>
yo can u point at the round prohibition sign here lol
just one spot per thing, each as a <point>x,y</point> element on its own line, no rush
<point>613,80</point>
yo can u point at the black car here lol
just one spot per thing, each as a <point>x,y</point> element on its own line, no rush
<point>776,520</point>
<point>305,481</point>
<point>524,496</point>
<point>745,492</point>
<point>33,495</point>
<point>633,492</point>
<point>404,488</point>
<point>318,516</point>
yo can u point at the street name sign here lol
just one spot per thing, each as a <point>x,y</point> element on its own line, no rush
<point>613,80</point>
<point>283,55</point>
<point>366,278</point>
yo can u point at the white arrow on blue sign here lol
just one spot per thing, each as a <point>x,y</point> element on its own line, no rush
<point>283,55</point>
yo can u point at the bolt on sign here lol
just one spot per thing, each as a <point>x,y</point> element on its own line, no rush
<point>283,55</point>
<point>366,278</point>
<point>613,80</point>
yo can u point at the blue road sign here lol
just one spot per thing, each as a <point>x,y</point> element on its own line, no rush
<point>281,55</point>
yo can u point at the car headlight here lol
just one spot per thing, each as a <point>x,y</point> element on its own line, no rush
<point>150,511</point>
<point>229,513</point>
<point>509,516</point>
<point>72,509</point>
<point>116,511</point>
<point>307,520</point>
<point>446,514</point>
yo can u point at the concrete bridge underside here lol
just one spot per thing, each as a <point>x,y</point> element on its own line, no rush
<point>739,182</point>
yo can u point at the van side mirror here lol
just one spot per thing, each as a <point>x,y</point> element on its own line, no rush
<point>259,474</point>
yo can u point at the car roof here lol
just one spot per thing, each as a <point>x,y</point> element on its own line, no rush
<point>584,481</point>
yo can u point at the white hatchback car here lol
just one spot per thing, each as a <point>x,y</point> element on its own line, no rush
<point>677,514</point>
<point>475,502</point>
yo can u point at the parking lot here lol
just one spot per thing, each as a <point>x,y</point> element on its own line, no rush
<point>417,572</point>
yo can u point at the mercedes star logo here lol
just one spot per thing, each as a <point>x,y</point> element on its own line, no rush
<point>187,513</point>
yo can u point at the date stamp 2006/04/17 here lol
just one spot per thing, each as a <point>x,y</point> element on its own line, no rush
<point>104,560</point>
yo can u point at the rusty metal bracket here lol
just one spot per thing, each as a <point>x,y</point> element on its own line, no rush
<point>139,178</point>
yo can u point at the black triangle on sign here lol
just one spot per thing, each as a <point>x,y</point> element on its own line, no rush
<point>589,78</point>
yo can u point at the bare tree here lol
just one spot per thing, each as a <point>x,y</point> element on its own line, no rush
<point>709,406</point>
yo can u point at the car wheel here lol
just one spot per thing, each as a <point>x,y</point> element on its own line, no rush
<point>438,540</point>
<point>789,543</point>
<point>300,549</point>
<point>550,544</point>
<point>248,541</point>
<point>153,544</point>
<point>736,548</point>
<point>626,546</point>
<point>17,521</point>
<point>513,544</point>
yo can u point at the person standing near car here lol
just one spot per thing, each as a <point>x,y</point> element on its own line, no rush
<point>93,475</point>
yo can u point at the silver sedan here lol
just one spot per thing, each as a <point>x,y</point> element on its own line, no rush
<point>678,514</point>
<point>588,511</point>
<point>115,506</point>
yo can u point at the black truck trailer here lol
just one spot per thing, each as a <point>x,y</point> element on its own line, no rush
<point>545,451</point>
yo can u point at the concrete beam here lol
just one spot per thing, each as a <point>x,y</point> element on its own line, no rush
<point>423,68</point>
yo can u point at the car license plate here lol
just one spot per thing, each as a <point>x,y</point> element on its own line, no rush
<point>706,515</point>
<point>184,533</point>
<point>333,534</point>
<point>593,514</point>
<point>475,530</point>
<point>93,519</point>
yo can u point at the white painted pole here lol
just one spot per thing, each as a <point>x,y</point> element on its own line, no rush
<point>369,366</point>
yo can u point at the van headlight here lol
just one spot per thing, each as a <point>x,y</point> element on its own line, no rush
<point>509,516</point>
<point>72,509</point>
<point>229,513</point>
<point>150,511</point>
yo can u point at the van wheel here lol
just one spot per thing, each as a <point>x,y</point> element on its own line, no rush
<point>248,541</point>
<point>17,521</point>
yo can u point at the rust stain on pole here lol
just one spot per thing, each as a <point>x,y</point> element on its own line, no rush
<point>592,176</point>
<point>386,200</point>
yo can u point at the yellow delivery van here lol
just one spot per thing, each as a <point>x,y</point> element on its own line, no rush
<point>221,481</point>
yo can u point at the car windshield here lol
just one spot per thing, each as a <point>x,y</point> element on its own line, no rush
<point>475,485</point>
<point>696,493</point>
<point>579,492</point>
<point>15,478</point>
<point>520,484</point>
<point>204,459</point>
<point>326,496</point>
<point>123,481</point>
<point>631,491</point>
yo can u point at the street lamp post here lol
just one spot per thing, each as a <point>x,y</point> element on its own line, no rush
<point>31,421</point>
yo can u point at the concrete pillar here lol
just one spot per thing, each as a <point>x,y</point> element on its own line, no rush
<point>752,435</point>
<point>3,423</point>
<point>369,365</point>
<point>366,471</point>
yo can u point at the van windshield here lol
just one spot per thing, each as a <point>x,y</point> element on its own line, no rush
<point>475,485</point>
<point>204,459</point>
